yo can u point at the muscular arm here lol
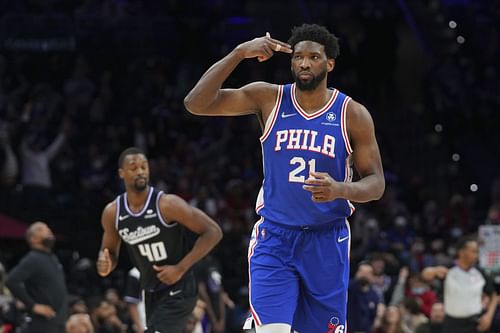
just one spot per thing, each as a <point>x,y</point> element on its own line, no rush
<point>366,156</point>
<point>367,161</point>
<point>173,208</point>
<point>207,98</point>
<point>110,241</point>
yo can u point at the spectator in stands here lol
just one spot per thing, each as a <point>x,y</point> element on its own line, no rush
<point>211,292</point>
<point>79,323</point>
<point>78,306</point>
<point>390,321</point>
<point>381,280</point>
<point>194,324</point>
<point>420,290</point>
<point>7,308</point>
<point>104,317</point>
<point>363,300</point>
<point>36,176</point>
<point>113,297</point>
<point>8,160</point>
<point>435,323</point>
<point>412,316</point>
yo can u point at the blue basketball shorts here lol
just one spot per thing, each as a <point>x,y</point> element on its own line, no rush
<point>299,276</point>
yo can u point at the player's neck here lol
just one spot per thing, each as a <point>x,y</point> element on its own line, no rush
<point>313,100</point>
<point>136,200</point>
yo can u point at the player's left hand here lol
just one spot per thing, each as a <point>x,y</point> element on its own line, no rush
<point>322,187</point>
<point>168,274</point>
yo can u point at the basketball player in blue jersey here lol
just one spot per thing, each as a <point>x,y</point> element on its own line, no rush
<point>153,227</point>
<point>312,135</point>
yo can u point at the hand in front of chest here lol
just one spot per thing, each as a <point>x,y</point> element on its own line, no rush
<point>323,187</point>
<point>168,274</point>
<point>44,310</point>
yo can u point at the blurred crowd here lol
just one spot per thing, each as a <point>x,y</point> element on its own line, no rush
<point>118,78</point>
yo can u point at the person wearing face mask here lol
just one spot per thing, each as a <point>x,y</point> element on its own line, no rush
<point>435,323</point>
<point>363,300</point>
<point>38,281</point>
<point>420,290</point>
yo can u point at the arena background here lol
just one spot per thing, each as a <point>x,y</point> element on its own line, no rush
<point>111,74</point>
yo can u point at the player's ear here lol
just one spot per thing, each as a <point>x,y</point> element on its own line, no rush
<point>120,173</point>
<point>330,64</point>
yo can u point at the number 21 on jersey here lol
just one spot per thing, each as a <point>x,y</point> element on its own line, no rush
<point>300,164</point>
<point>153,251</point>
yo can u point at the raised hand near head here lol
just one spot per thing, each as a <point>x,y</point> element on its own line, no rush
<point>263,48</point>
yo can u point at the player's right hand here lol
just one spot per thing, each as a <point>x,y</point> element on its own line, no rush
<point>263,48</point>
<point>104,263</point>
<point>44,310</point>
<point>169,274</point>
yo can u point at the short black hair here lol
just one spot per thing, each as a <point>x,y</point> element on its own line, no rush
<point>462,243</point>
<point>411,305</point>
<point>364,263</point>
<point>128,151</point>
<point>318,34</point>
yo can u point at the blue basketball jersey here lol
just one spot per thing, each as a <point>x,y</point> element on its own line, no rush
<point>295,143</point>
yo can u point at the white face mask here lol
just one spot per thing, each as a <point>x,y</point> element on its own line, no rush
<point>418,290</point>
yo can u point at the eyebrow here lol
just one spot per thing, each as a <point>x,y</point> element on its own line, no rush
<point>310,52</point>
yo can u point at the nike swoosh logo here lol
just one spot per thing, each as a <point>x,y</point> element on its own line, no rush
<point>283,115</point>
<point>340,240</point>
<point>175,292</point>
<point>121,218</point>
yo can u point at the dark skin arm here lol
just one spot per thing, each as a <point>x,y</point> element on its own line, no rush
<point>110,244</point>
<point>366,158</point>
<point>174,208</point>
<point>208,99</point>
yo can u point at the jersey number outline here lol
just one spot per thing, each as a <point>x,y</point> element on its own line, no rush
<point>153,251</point>
<point>292,176</point>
